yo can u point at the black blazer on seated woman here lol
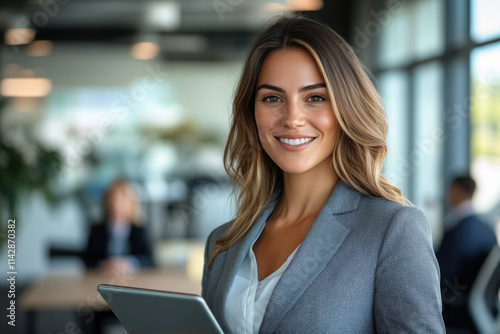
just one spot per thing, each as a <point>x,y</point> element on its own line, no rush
<point>97,246</point>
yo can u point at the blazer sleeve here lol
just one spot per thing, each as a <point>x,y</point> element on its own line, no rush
<point>209,248</point>
<point>407,297</point>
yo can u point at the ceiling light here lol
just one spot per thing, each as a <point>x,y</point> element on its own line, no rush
<point>144,50</point>
<point>305,5</point>
<point>25,87</point>
<point>20,31</point>
<point>19,36</point>
<point>39,48</point>
<point>275,6</point>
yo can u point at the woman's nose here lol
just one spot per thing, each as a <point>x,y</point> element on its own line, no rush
<point>293,115</point>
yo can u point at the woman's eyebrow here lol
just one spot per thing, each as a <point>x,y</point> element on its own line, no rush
<point>281,90</point>
<point>311,87</point>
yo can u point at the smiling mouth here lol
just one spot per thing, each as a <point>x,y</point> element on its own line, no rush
<point>295,142</point>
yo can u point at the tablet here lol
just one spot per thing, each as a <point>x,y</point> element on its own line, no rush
<point>143,311</point>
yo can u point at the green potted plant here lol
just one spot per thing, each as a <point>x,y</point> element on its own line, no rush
<point>20,175</point>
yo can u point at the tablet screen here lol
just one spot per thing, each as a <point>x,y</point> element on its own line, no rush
<point>143,311</point>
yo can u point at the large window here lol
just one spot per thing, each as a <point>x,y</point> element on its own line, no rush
<point>393,87</point>
<point>485,126</point>
<point>485,105</point>
<point>485,24</point>
<point>427,143</point>
<point>437,65</point>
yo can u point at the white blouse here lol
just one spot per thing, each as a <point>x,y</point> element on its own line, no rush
<point>247,299</point>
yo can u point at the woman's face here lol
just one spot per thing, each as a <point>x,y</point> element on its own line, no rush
<point>294,113</point>
<point>118,205</point>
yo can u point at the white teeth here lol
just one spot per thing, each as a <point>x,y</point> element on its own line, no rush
<point>295,142</point>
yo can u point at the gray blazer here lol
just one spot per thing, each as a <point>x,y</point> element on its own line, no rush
<point>365,266</point>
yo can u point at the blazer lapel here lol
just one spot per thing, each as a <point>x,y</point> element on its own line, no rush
<point>233,259</point>
<point>319,246</point>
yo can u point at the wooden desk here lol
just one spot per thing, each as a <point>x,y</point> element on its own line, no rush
<point>79,292</point>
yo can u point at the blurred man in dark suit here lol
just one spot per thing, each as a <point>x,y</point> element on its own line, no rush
<point>466,243</point>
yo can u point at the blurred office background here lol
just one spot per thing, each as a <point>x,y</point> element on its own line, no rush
<point>95,90</point>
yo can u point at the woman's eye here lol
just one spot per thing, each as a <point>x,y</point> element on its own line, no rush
<point>316,98</point>
<point>271,99</point>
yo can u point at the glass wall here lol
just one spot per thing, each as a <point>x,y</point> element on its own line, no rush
<point>393,87</point>
<point>437,65</point>
<point>485,24</point>
<point>485,126</point>
<point>485,105</point>
<point>428,138</point>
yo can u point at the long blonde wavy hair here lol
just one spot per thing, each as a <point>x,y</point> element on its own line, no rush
<point>360,149</point>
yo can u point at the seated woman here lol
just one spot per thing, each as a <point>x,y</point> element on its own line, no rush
<point>119,243</point>
<point>322,242</point>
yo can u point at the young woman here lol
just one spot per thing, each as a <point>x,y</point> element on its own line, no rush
<point>322,242</point>
<point>119,243</point>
